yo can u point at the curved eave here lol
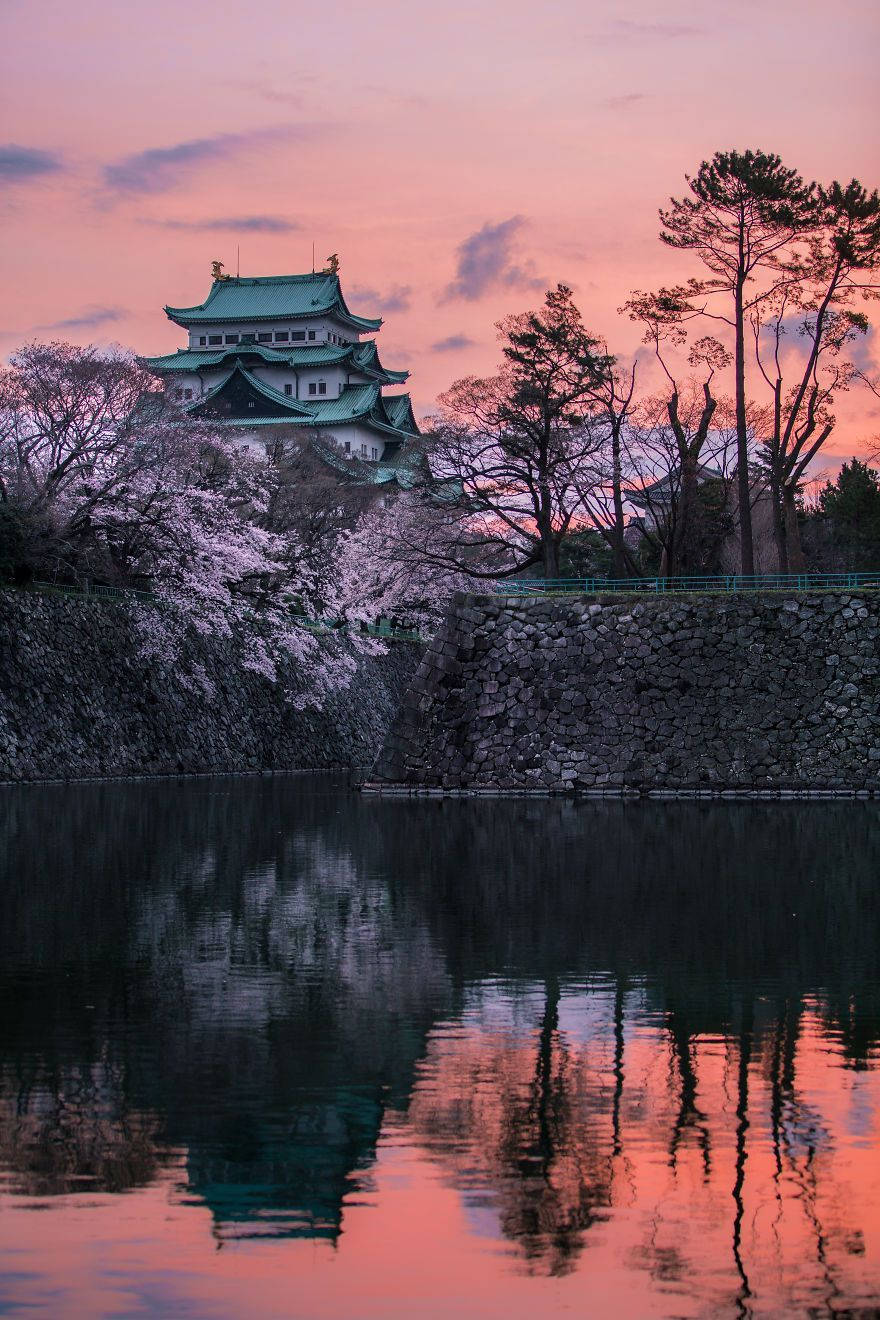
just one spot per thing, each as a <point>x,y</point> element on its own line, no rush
<point>365,358</point>
<point>187,359</point>
<point>298,411</point>
<point>186,317</point>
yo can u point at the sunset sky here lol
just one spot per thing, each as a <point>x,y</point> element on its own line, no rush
<point>459,157</point>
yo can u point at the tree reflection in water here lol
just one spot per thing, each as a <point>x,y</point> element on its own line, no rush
<point>640,1018</point>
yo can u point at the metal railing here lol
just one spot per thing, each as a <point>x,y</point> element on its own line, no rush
<point>720,582</point>
<point>382,628</point>
<point>91,589</point>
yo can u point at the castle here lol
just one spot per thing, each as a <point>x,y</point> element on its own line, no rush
<point>285,351</point>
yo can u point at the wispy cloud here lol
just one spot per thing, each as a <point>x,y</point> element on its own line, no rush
<point>452,344</point>
<point>159,169</point>
<point>630,27</point>
<point>862,351</point>
<point>238,224</point>
<point>396,298</point>
<point>624,99</point>
<point>486,260</point>
<point>88,319</point>
<point>21,164</point>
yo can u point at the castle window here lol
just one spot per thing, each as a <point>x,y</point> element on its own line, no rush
<point>264,337</point>
<point>215,339</point>
<point>250,403</point>
<point>311,334</point>
<point>375,452</point>
<point>313,389</point>
<point>288,388</point>
<point>348,446</point>
<point>322,387</point>
<point>232,339</point>
<point>363,451</point>
<point>187,394</point>
<point>178,393</point>
<point>281,336</point>
<point>202,339</point>
<point>298,334</point>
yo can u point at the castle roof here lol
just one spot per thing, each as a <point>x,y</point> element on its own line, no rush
<point>363,358</point>
<point>273,298</point>
<point>392,417</point>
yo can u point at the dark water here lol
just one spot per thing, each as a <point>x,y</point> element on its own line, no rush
<point>271,1049</point>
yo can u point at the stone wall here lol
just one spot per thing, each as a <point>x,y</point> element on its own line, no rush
<point>82,695</point>
<point>714,692</point>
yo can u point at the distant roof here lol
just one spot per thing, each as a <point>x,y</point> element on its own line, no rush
<point>360,357</point>
<point>663,490</point>
<point>272,298</point>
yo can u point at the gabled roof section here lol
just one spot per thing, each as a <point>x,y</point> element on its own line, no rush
<point>273,298</point>
<point>237,387</point>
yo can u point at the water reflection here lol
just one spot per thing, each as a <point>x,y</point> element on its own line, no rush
<point>649,1025</point>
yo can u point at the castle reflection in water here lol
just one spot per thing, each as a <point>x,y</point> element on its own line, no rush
<point>657,1020</point>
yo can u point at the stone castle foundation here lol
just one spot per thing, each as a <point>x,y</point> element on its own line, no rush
<point>758,691</point>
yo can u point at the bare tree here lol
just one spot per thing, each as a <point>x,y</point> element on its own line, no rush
<point>744,213</point>
<point>665,445</point>
<point>513,449</point>
<point>86,448</point>
<point>678,448</point>
<point>602,483</point>
<point>821,301</point>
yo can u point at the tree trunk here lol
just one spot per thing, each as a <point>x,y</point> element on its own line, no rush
<point>779,525</point>
<point>747,553</point>
<point>549,544</point>
<point>551,559</point>
<point>682,561</point>
<point>619,548</point>
<point>795,552</point>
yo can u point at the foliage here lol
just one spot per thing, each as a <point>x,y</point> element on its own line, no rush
<point>100,479</point>
<point>843,530</point>
<point>745,215</point>
<point>585,553</point>
<point>515,447</point>
<point>391,565</point>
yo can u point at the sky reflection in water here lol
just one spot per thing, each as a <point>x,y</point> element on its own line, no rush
<point>269,1048</point>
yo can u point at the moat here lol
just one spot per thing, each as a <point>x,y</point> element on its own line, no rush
<point>270,1047</point>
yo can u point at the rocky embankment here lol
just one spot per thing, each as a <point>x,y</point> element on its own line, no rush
<point>93,687</point>
<point>756,691</point>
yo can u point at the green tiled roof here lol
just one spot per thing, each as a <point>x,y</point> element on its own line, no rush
<point>195,359</point>
<point>272,298</point>
<point>360,357</point>
<point>400,468</point>
<point>400,413</point>
<point>357,403</point>
<point>297,409</point>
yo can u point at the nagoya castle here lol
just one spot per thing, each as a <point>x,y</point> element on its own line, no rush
<point>285,351</point>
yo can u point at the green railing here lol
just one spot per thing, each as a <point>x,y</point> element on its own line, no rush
<point>382,628</point>
<point>91,589</point>
<point>665,585</point>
